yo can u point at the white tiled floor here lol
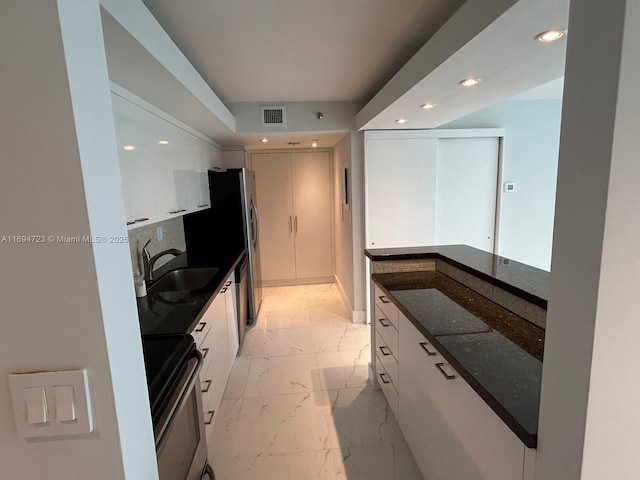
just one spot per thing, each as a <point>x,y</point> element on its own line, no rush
<point>299,404</point>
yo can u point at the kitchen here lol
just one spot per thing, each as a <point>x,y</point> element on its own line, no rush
<point>99,316</point>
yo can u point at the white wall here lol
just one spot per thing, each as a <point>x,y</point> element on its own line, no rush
<point>589,418</point>
<point>301,116</point>
<point>65,305</point>
<point>530,160</point>
<point>342,233</point>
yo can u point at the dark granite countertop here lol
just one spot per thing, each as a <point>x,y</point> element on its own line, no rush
<point>497,352</point>
<point>179,312</point>
<point>525,281</point>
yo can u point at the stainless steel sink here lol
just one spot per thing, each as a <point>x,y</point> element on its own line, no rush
<point>184,279</point>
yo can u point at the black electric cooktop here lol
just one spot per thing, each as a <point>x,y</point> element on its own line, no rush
<point>164,359</point>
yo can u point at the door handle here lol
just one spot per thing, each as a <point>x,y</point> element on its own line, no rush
<point>290,225</point>
<point>386,351</point>
<point>295,223</point>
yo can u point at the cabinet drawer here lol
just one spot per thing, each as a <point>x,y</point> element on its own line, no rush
<point>387,386</point>
<point>386,357</point>
<point>387,307</point>
<point>387,331</point>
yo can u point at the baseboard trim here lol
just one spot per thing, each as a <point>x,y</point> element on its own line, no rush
<point>360,316</point>
<point>297,281</point>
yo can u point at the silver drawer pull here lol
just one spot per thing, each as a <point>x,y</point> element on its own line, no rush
<point>440,366</point>
<point>384,299</point>
<point>386,351</point>
<point>211,413</point>
<point>424,347</point>
<point>384,322</point>
<point>383,377</point>
<point>208,386</point>
<point>200,327</point>
<point>205,352</point>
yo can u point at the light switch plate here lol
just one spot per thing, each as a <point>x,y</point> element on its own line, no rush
<point>77,379</point>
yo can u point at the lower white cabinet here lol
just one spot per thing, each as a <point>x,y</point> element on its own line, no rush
<point>217,340</point>
<point>452,432</point>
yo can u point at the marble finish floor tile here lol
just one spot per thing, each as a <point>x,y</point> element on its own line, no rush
<point>272,342</point>
<point>299,404</point>
<point>282,374</point>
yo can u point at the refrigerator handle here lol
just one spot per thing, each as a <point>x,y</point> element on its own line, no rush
<point>256,228</point>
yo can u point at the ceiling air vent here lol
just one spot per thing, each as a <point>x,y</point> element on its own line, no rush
<point>273,116</point>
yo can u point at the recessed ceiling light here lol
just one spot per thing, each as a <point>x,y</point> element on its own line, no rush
<point>470,82</point>
<point>550,36</point>
<point>129,147</point>
<point>163,142</point>
<point>314,143</point>
<point>264,140</point>
<point>402,120</point>
<point>428,106</point>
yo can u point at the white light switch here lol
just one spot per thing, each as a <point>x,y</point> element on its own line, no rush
<point>65,403</point>
<point>36,403</point>
<point>51,404</point>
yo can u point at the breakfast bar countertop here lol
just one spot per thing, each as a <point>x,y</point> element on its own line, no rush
<point>498,353</point>
<point>525,281</point>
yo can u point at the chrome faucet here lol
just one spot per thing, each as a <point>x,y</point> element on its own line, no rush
<point>150,262</point>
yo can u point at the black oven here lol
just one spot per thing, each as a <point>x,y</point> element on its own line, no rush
<point>173,365</point>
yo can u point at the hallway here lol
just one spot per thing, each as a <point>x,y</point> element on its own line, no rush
<point>299,403</point>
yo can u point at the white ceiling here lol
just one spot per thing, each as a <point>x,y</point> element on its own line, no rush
<point>358,51</point>
<point>299,50</point>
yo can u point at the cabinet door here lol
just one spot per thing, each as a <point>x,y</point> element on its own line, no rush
<point>274,195</point>
<point>171,168</point>
<point>135,161</point>
<point>451,431</point>
<point>312,214</point>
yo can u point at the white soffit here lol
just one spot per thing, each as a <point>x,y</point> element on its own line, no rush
<point>144,60</point>
<point>505,55</point>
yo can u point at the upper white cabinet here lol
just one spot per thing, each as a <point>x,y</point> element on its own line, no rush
<point>163,166</point>
<point>294,195</point>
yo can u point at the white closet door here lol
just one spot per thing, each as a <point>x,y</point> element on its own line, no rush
<point>467,180</point>
<point>401,184</point>
<point>274,195</point>
<point>312,214</point>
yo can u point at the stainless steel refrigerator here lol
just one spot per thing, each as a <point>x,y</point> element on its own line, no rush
<point>230,226</point>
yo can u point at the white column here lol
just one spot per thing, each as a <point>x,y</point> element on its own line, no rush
<point>66,305</point>
<point>589,417</point>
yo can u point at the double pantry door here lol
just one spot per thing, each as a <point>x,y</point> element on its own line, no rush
<point>294,201</point>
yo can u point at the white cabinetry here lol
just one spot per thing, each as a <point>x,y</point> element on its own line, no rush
<point>386,349</point>
<point>294,194</point>
<point>163,166</point>
<point>217,339</point>
<point>451,431</point>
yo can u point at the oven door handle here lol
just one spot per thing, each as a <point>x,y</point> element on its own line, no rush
<point>194,364</point>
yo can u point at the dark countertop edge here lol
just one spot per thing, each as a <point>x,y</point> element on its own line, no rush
<point>528,296</point>
<point>183,261</point>
<point>529,439</point>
